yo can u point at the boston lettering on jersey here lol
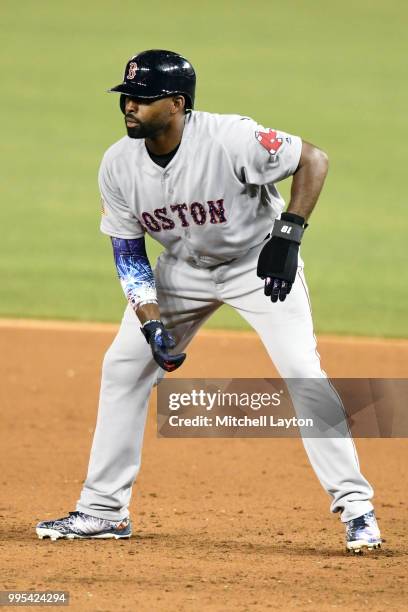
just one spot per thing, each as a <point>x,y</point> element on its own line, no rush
<point>162,218</point>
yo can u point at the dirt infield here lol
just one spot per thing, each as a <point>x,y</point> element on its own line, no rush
<point>220,524</point>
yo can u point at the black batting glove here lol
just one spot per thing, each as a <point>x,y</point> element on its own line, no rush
<point>278,260</point>
<point>161,342</point>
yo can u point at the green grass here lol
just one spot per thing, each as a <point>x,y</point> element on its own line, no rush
<point>332,72</point>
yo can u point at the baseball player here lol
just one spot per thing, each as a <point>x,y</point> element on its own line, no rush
<point>204,186</point>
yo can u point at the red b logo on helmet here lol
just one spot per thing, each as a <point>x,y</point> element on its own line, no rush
<point>132,71</point>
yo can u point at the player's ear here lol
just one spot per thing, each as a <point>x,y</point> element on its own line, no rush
<point>179,104</point>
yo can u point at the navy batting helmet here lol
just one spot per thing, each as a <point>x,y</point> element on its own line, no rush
<point>156,74</point>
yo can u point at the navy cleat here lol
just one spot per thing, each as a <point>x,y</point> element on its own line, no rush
<point>81,525</point>
<point>363,533</point>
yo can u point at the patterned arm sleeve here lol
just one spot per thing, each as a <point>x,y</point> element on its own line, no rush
<point>134,271</point>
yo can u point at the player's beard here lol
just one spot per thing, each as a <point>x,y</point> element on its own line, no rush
<point>143,130</point>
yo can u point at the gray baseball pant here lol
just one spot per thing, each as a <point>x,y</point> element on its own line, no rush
<point>187,296</point>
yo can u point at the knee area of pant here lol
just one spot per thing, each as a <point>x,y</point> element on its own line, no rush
<point>301,370</point>
<point>124,370</point>
<point>110,359</point>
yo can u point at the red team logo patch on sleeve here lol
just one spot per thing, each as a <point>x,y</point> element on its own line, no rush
<point>270,141</point>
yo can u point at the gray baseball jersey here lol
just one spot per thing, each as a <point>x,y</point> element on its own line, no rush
<point>216,198</point>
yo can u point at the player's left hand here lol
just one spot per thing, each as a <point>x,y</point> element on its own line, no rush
<point>278,260</point>
<point>161,342</point>
<point>277,288</point>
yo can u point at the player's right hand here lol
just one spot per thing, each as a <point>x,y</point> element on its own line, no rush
<point>161,342</point>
